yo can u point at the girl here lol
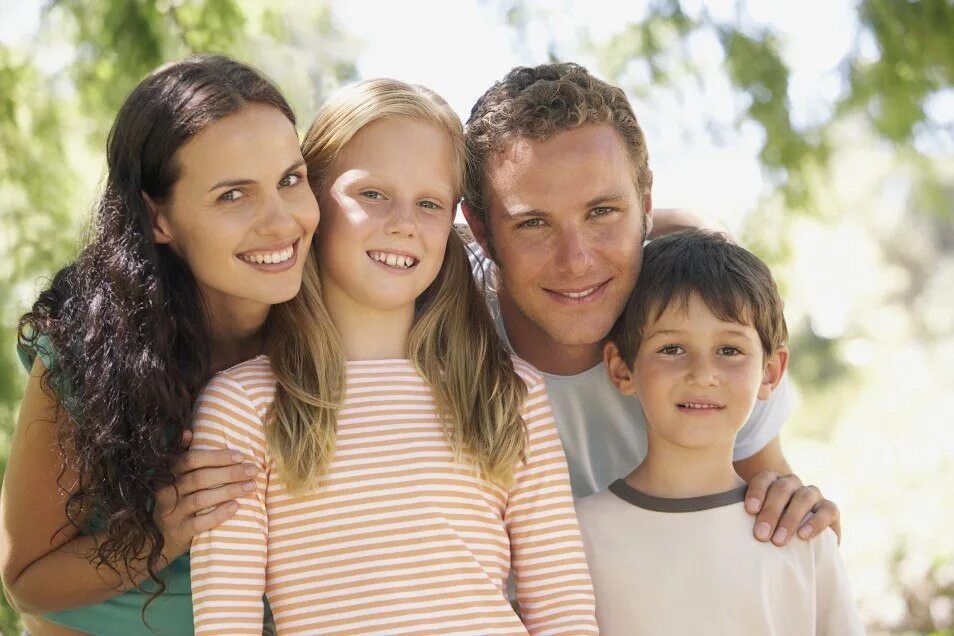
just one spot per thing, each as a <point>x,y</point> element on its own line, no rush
<point>406,467</point>
<point>205,222</point>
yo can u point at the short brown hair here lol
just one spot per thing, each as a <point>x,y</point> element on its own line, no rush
<point>537,103</point>
<point>733,283</point>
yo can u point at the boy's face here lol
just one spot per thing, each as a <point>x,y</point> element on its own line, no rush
<point>696,376</point>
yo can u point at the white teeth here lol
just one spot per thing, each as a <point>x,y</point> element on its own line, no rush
<point>582,294</point>
<point>393,260</point>
<point>269,257</point>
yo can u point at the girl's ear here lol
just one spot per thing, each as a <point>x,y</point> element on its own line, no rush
<point>161,232</point>
<point>775,366</point>
<point>619,372</point>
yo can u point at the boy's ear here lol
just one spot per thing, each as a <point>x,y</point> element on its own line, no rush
<point>160,224</point>
<point>775,366</point>
<point>479,228</point>
<point>619,372</point>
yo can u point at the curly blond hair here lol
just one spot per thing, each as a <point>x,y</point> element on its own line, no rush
<point>537,103</point>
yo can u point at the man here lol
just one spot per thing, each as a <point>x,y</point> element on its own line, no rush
<point>559,198</point>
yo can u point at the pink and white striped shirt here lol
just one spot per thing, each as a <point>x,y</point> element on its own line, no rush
<point>400,538</point>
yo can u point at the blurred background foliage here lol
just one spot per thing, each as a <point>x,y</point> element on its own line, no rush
<point>855,210</point>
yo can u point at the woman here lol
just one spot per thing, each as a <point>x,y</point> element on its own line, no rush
<point>204,223</point>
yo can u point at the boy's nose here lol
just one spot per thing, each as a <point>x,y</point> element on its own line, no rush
<point>702,372</point>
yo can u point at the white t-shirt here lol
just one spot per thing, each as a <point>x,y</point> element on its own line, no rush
<point>603,431</point>
<point>692,566</point>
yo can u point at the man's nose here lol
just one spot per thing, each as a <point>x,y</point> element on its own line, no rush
<point>575,252</point>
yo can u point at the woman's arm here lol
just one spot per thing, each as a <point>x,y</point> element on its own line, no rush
<point>43,560</point>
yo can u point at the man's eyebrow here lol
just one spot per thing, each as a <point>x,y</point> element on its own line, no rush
<point>231,183</point>
<point>522,211</point>
<point>603,199</point>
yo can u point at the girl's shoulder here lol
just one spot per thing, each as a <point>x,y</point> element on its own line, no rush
<point>528,373</point>
<point>255,367</point>
<point>251,381</point>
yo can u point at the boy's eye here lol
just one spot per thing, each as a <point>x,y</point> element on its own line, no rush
<point>290,179</point>
<point>730,351</point>
<point>231,195</point>
<point>670,350</point>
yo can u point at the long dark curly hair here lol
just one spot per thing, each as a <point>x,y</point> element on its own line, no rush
<point>126,322</point>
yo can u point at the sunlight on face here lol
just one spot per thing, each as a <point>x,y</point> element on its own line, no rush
<point>386,216</point>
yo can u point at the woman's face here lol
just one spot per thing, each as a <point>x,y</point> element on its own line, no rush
<point>241,214</point>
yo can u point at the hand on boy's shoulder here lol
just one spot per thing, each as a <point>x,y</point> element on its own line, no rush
<point>783,507</point>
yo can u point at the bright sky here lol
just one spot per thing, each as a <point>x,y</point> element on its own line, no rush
<point>705,162</point>
<point>460,48</point>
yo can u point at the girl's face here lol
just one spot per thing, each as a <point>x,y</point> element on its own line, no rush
<point>241,214</point>
<point>388,209</point>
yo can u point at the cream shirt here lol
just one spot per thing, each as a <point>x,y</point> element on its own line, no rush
<point>692,566</point>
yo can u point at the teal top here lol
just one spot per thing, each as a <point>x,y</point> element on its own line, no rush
<point>169,614</point>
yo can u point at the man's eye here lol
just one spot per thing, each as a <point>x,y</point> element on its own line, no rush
<point>532,223</point>
<point>290,179</point>
<point>602,211</point>
<point>231,195</point>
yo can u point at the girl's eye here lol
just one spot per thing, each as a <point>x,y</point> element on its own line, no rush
<point>429,205</point>
<point>231,195</point>
<point>670,350</point>
<point>532,223</point>
<point>290,179</point>
<point>374,195</point>
<point>730,351</point>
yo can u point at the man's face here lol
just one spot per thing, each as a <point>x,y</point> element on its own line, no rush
<point>565,229</point>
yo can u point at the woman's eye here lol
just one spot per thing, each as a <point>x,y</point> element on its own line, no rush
<point>231,195</point>
<point>670,350</point>
<point>290,180</point>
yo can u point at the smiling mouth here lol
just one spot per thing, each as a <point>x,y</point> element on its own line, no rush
<point>578,295</point>
<point>270,257</point>
<point>701,406</point>
<point>390,259</point>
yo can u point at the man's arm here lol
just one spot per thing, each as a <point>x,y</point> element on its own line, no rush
<point>670,220</point>
<point>781,503</point>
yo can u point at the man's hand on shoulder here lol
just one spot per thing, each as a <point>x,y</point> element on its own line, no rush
<point>783,506</point>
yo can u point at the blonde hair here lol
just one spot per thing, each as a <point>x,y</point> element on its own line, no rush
<point>453,342</point>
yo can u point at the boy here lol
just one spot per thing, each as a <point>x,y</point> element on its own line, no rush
<point>670,547</point>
